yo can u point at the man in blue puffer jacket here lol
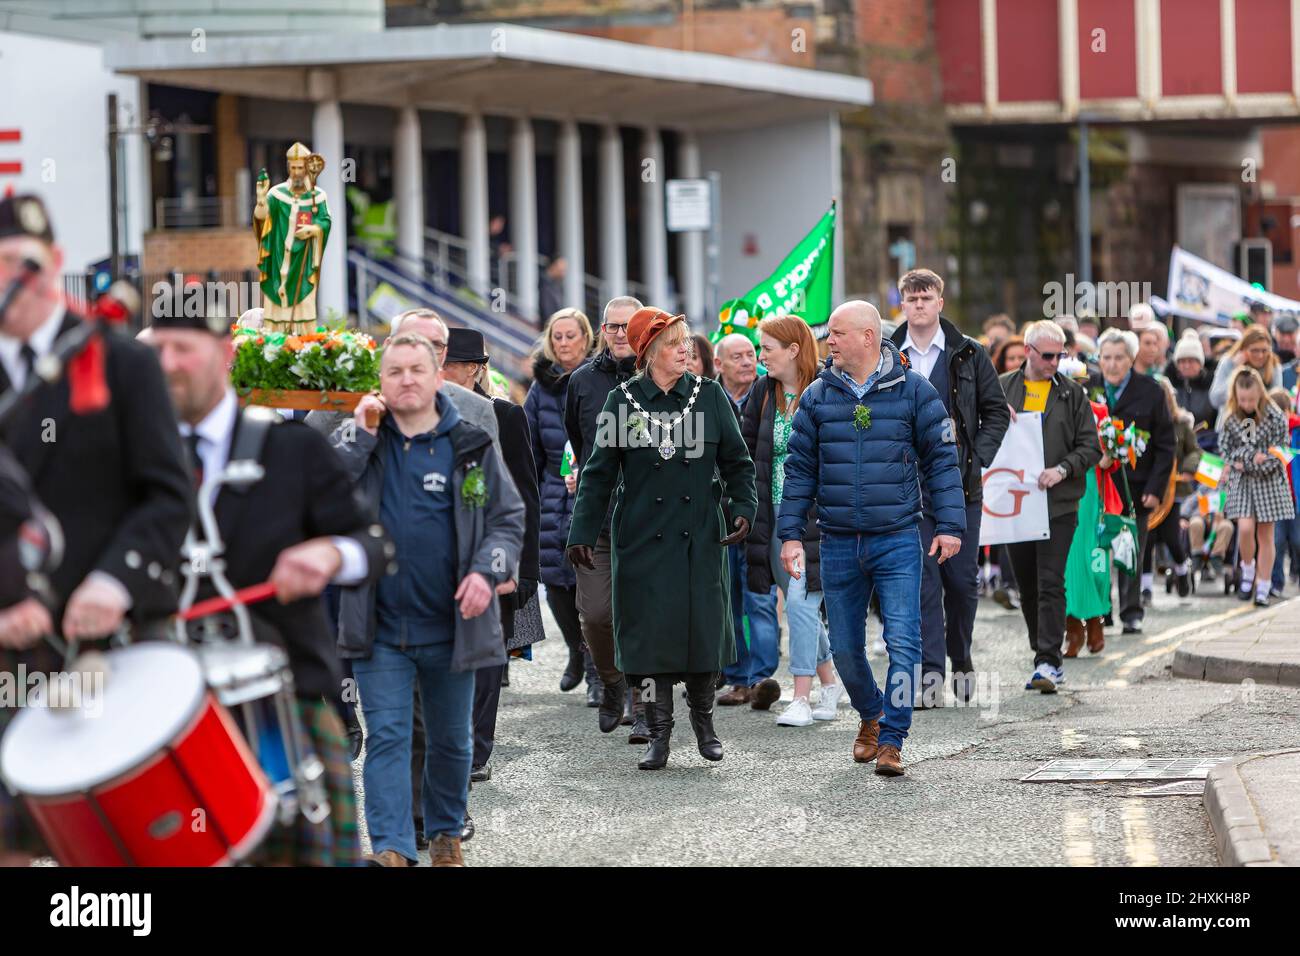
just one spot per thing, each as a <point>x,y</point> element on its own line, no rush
<point>867,433</point>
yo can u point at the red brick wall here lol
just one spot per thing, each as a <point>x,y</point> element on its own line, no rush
<point>199,250</point>
<point>896,38</point>
<point>766,35</point>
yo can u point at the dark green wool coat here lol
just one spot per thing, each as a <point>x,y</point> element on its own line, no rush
<point>671,591</point>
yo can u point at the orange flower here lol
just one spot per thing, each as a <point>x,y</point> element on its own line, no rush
<point>293,343</point>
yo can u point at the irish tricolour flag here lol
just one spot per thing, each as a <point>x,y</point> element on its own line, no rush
<point>1210,470</point>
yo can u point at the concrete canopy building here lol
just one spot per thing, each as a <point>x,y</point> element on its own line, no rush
<point>771,132</point>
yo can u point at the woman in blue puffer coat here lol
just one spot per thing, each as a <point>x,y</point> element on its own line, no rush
<point>566,344</point>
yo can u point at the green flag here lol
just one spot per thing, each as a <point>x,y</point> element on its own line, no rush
<point>801,285</point>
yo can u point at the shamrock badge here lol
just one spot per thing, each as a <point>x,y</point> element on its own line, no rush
<point>473,492</point>
<point>861,417</point>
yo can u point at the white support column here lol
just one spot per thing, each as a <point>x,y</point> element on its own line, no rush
<point>613,215</point>
<point>989,51</point>
<point>654,240</point>
<point>408,183</point>
<point>1150,86</point>
<point>327,140</point>
<point>568,206</point>
<point>523,214</point>
<point>474,201</point>
<point>1228,38</point>
<point>690,245</point>
<point>1067,16</point>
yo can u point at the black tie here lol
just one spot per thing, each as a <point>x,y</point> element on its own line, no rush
<point>196,460</point>
<point>28,355</point>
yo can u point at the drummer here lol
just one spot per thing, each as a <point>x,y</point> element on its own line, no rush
<point>297,527</point>
<point>102,456</point>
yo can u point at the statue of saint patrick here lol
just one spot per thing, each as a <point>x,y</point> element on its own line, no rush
<point>292,223</point>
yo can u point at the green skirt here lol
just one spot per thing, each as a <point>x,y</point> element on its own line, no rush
<point>1087,568</point>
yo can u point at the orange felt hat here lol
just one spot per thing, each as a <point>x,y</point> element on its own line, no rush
<point>645,326</point>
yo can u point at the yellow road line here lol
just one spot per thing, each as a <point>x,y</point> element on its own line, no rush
<point>1078,840</point>
<point>1130,662</point>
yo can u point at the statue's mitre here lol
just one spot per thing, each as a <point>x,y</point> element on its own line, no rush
<point>297,151</point>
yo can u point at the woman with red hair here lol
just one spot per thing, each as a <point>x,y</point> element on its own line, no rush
<point>789,353</point>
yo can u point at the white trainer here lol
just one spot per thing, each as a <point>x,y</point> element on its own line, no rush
<point>798,714</point>
<point>830,700</point>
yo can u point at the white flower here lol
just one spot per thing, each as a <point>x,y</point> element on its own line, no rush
<point>270,351</point>
<point>346,362</point>
<point>297,369</point>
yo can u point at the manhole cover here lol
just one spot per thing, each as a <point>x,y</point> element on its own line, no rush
<point>1181,788</point>
<point>1182,768</point>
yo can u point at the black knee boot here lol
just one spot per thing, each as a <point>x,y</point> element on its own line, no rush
<point>659,716</point>
<point>640,733</point>
<point>573,671</point>
<point>699,694</point>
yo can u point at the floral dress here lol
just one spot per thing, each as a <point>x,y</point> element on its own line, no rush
<point>781,428</point>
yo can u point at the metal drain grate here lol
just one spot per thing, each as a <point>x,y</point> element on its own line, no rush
<point>1094,771</point>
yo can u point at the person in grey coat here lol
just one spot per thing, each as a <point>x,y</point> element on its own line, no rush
<point>458,525</point>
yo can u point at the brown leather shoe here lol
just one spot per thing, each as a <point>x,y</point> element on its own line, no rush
<point>867,744</point>
<point>445,851</point>
<point>1073,636</point>
<point>764,694</point>
<point>387,858</point>
<point>734,697</point>
<point>889,762</point>
<point>1096,636</point>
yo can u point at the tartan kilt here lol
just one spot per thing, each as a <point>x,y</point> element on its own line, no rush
<point>335,841</point>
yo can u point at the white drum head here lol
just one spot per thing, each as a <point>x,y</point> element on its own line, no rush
<point>243,672</point>
<point>150,694</point>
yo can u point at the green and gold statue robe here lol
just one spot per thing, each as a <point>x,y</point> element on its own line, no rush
<point>290,267</point>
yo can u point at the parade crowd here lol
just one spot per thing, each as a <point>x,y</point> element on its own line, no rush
<point>667,497</point>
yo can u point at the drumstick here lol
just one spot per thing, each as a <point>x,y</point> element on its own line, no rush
<point>249,595</point>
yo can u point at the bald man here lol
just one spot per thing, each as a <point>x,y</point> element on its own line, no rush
<point>869,433</point>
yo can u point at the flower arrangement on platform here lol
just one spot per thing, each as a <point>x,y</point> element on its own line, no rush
<point>1120,442</point>
<point>271,368</point>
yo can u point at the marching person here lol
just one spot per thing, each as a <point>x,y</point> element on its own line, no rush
<point>1138,400</point>
<point>1070,450</point>
<point>869,422</point>
<point>106,461</point>
<point>566,343</point>
<point>1191,378</point>
<point>1258,492</point>
<point>295,529</point>
<point>757,657</point>
<point>790,355</point>
<point>961,372</point>
<point>667,434</point>
<point>1255,349</point>
<point>589,387</point>
<point>465,365</point>
<point>439,487</point>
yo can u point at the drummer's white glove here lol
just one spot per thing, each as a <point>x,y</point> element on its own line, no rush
<point>96,607</point>
<point>304,569</point>
<point>23,624</point>
<point>474,595</point>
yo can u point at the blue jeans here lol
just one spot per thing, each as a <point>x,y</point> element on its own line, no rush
<point>1286,538</point>
<point>759,660</point>
<point>852,567</point>
<point>810,647</point>
<point>387,685</point>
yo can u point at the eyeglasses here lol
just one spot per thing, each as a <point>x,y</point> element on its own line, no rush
<point>1047,356</point>
<point>615,328</point>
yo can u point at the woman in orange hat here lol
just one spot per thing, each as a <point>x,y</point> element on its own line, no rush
<point>662,437</point>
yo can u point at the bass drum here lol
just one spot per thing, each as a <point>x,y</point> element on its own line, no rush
<point>148,769</point>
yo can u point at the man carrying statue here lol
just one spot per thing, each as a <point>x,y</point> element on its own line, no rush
<point>292,223</point>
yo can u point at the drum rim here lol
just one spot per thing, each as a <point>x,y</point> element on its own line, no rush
<point>184,726</point>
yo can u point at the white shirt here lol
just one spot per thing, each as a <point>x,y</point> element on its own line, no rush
<point>924,361</point>
<point>215,434</point>
<point>41,341</point>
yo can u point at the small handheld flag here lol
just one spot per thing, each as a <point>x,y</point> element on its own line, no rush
<point>1210,470</point>
<point>566,463</point>
<point>1284,455</point>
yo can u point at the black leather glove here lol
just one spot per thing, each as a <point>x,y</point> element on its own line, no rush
<point>580,556</point>
<point>740,534</point>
